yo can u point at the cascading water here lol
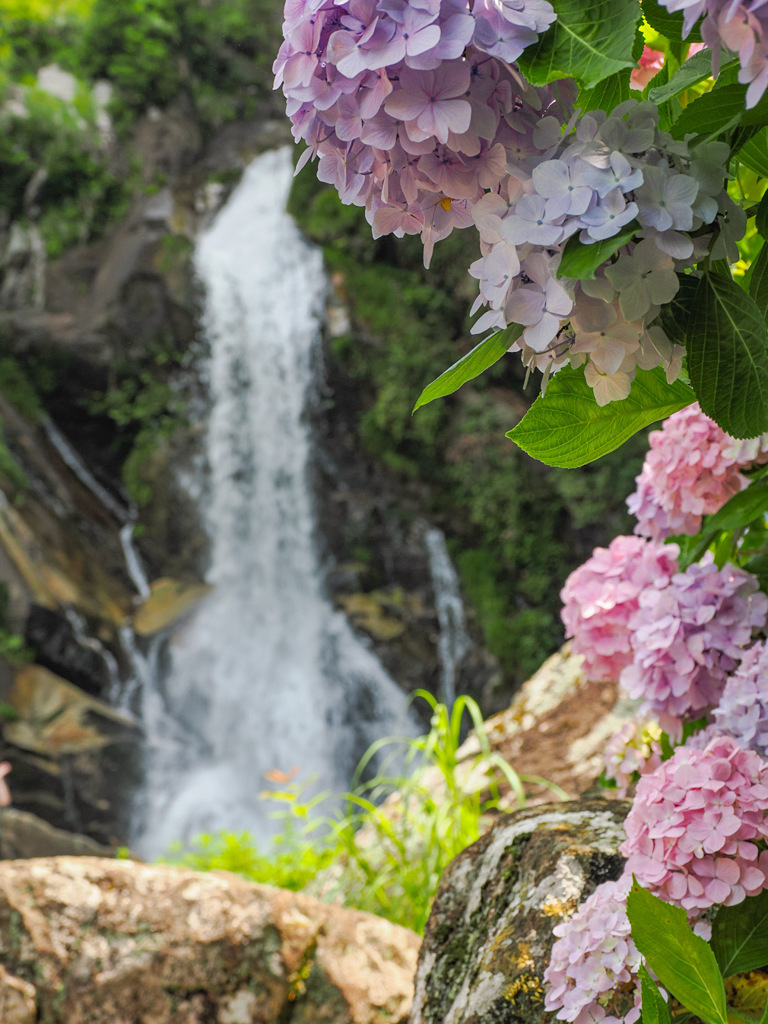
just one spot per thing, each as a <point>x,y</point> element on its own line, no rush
<point>265,675</point>
<point>454,642</point>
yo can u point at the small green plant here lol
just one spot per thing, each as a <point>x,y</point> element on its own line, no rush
<point>386,847</point>
<point>14,650</point>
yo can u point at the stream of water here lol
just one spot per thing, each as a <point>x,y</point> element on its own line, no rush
<point>265,675</point>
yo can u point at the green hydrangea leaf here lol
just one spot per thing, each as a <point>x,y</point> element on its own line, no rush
<point>754,154</point>
<point>694,70</point>
<point>761,217</point>
<point>580,260</point>
<point>713,113</point>
<point>588,42</point>
<point>668,24</point>
<point>654,1005</point>
<point>470,366</point>
<point>758,281</point>
<point>740,933</point>
<point>728,357</point>
<point>567,428</point>
<point>675,315</point>
<point>606,94</point>
<point>683,962</point>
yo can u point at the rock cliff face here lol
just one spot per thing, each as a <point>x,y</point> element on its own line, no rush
<point>111,942</point>
<point>107,337</point>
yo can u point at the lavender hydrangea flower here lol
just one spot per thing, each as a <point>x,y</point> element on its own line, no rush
<point>743,708</point>
<point>413,111</point>
<point>688,636</point>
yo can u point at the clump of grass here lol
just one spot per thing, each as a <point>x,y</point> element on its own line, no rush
<point>386,846</point>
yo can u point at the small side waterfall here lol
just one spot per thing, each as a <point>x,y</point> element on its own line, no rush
<point>454,642</point>
<point>265,674</point>
<point>71,459</point>
<point>142,666</point>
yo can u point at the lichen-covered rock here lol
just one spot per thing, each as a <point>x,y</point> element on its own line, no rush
<point>489,936</point>
<point>115,942</point>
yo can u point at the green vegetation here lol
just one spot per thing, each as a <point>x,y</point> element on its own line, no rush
<point>523,526</point>
<point>151,52</point>
<point>386,849</point>
<point>154,50</point>
<point>146,404</point>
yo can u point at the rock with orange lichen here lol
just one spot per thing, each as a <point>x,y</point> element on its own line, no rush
<point>115,942</point>
<point>489,935</point>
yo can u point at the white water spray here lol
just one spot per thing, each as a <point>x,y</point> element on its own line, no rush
<point>265,675</point>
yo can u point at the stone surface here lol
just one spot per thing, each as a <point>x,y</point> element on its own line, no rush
<point>17,1000</point>
<point>489,935</point>
<point>114,942</point>
<point>556,727</point>
<point>25,835</point>
<point>57,718</point>
<point>168,601</point>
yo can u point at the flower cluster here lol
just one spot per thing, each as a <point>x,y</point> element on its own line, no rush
<point>414,112</point>
<point>692,469</point>
<point>743,708</point>
<point>687,636</point>
<point>632,751</point>
<point>601,597</point>
<point>734,25</point>
<point>594,956</point>
<point>693,830</point>
<point>604,176</point>
<point>412,106</point>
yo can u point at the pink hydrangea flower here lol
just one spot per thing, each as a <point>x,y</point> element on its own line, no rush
<point>687,636</point>
<point>694,828</point>
<point>743,707</point>
<point>594,961</point>
<point>601,596</point>
<point>691,470</point>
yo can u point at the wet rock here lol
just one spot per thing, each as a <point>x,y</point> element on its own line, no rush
<point>169,600</point>
<point>56,718</point>
<point>489,935</point>
<point>74,758</point>
<point>114,942</point>
<point>25,835</point>
<point>58,646</point>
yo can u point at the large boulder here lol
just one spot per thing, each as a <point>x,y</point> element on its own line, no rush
<point>115,942</point>
<point>489,936</point>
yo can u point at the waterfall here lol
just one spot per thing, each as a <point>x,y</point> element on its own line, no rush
<point>454,642</point>
<point>265,674</point>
